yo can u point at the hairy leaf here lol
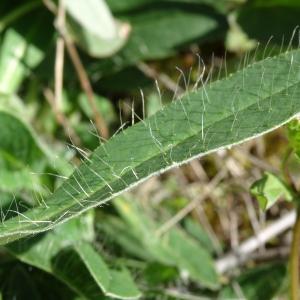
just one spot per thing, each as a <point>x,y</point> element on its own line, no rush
<point>242,106</point>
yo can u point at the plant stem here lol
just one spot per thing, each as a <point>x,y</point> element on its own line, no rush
<point>294,260</point>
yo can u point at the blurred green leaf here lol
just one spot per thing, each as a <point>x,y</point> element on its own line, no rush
<point>124,6</point>
<point>53,253</point>
<point>175,248</point>
<point>22,49</point>
<point>15,57</point>
<point>197,232</point>
<point>143,228</point>
<point>156,274</point>
<point>103,104</point>
<point>278,23</point>
<point>20,157</point>
<point>117,284</point>
<point>162,29</point>
<point>275,3</point>
<point>191,258</point>
<point>294,135</point>
<point>93,27</point>
<point>66,252</point>
<point>270,189</point>
<point>11,15</point>
<point>116,230</point>
<point>262,282</point>
<point>122,285</point>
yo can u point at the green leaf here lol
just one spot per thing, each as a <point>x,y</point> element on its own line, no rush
<point>103,105</point>
<point>13,14</point>
<point>117,284</point>
<point>262,282</point>
<point>156,274</point>
<point>175,248</point>
<point>275,3</point>
<point>294,135</point>
<point>253,18</point>
<point>122,285</point>
<point>22,49</point>
<point>192,259</point>
<point>119,232</point>
<point>67,254</point>
<point>270,189</point>
<point>247,104</point>
<point>124,6</point>
<point>197,232</point>
<point>143,229</point>
<point>93,27</point>
<point>25,148</point>
<point>20,156</point>
<point>153,35</point>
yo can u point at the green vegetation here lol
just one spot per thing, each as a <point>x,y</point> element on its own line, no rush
<point>144,144</point>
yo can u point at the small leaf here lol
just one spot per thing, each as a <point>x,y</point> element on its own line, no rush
<point>270,189</point>
<point>294,135</point>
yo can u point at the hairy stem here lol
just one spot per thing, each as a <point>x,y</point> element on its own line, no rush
<point>294,260</point>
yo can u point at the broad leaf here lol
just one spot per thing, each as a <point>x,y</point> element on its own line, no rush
<point>249,103</point>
